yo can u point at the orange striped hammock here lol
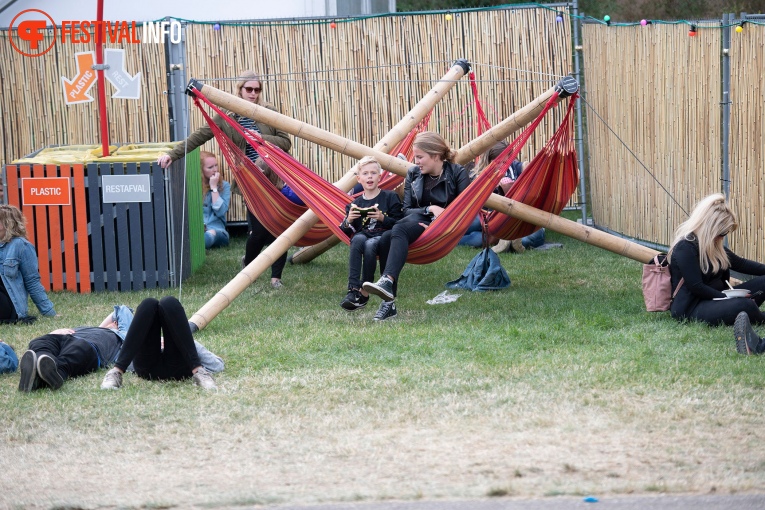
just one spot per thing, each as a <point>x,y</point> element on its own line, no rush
<point>328,202</point>
<point>548,182</point>
<point>275,211</point>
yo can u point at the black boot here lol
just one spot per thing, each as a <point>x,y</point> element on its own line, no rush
<point>747,341</point>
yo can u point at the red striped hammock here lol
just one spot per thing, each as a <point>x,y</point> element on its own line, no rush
<point>275,211</point>
<point>443,234</point>
<point>547,183</point>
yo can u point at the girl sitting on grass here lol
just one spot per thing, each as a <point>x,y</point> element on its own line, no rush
<point>217,197</point>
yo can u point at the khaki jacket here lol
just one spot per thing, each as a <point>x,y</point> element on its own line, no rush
<point>203,134</point>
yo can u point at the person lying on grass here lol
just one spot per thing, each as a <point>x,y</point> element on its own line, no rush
<point>71,352</point>
<point>159,346</point>
<point>700,266</point>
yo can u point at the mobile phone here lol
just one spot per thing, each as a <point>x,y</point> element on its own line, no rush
<point>756,294</point>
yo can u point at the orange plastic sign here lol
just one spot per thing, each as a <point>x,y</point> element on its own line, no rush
<point>46,191</point>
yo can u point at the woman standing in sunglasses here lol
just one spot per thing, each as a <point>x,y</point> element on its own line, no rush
<point>700,266</point>
<point>250,88</point>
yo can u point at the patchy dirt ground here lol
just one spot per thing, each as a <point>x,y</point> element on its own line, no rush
<point>234,448</point>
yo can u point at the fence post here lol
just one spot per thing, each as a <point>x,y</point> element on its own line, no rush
<point>579,132</point>
<point>175,66</point>
<point>726,102</point>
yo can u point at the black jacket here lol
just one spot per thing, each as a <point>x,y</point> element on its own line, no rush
<point>454,180</point>
<point>700,286</point>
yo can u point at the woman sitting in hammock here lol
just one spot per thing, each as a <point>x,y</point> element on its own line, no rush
<point>430,186</point>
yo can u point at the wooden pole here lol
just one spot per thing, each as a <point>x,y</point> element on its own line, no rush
<point>249,274</point>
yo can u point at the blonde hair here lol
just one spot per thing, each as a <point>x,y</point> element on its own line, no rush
<point>367,160</point>
<point>489,156</point>
<point>14,222</point>
<point>269,173</point>
<point>434,145</point>
<point>711,218</point>
<point>246,76</point>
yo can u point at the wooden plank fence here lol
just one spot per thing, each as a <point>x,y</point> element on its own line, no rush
<point>92,245</point>
<point>58,232</point>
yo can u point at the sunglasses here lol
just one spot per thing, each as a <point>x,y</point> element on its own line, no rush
<point>724,234</point>
<point>250,90</point>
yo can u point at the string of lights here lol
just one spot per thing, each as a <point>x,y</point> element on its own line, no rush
<point>449,15</point>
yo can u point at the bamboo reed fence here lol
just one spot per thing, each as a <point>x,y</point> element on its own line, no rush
<point>33,113</point>
<point>747,135</point>
<point>659,90</point>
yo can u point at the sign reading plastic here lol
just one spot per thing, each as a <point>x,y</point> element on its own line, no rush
<point>46,191</point>
<point>119,189</point>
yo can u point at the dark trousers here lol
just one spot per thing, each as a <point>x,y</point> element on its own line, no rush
<point>73,356</point>
<point>362,259</point>
<point>726,310</point>
<point>7,310</point>
<point>142,344</point>
<point>259,237</point>
<point>395,245</point>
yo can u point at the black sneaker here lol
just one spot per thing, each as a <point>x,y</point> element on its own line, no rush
<point>387,310</point>
<point>746,339</point>
<point>28,367</point>
<point>354,300</point>
<point>383,288</point>
<point>48,372</point>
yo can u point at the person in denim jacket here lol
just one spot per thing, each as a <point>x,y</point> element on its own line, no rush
<point>8,360</point>
<point>215,202</point>
<point>19,277</point>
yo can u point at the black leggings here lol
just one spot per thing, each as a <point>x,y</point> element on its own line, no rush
<point>259,237</point>
<point>394,248</point>
<point>7,310</point>
<point>726,310</point>
<point>142,344</point>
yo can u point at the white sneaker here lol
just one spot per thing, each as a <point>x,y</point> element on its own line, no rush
<point>203,379</point>
<point>112,380</point>
<point>502,246</point>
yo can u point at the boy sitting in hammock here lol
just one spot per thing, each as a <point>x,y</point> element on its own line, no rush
<point>372,213</point>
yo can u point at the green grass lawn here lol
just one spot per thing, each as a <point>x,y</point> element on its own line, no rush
<point>561,384</point>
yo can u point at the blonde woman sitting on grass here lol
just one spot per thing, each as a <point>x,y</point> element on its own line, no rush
<point>700,266</point>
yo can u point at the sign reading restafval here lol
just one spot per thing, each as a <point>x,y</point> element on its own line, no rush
<point>126,188</point>
<point>46,191</point>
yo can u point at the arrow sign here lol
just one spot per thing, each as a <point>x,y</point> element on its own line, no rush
<point>128,87</point>
<point>76,90</point>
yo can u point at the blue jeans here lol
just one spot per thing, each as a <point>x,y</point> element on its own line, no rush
<point>534,240</point>
<point>473,235</point>
<point>362,259</point>
<point>215,238</point>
